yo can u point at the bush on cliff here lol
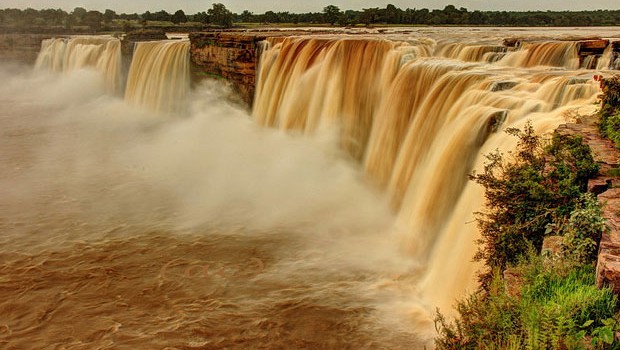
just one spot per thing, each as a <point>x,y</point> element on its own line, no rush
<point>554,309</point>
<point>542,301</point>
<point>609,115</point>
<point>539,185</point>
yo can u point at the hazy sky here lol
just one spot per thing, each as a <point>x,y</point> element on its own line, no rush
<point>260,6</point>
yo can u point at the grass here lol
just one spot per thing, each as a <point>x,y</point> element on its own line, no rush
<point>557,308</point>
<point>529,299</point>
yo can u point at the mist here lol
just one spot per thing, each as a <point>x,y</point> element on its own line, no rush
<point>85,167</point>
<point>213,166</point>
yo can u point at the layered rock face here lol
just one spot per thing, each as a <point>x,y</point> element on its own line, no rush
<point>608,267</point>
<point>607,187</point>
<point>22,48</point>
<point>227,55</point>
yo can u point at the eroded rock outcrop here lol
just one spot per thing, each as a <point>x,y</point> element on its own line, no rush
<point>607,187</point>
<point>227,55</point>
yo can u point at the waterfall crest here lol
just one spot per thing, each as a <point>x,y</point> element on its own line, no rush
<point>552,53</point>
<point>418,125</point>
<point>158,78</point>
<point>159,75</point>
<point>97,52</point>
<point>416,116</point>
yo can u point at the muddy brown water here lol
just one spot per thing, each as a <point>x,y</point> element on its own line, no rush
<point>82,268</point>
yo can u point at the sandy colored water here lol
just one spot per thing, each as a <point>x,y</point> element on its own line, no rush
<point>92,255</point>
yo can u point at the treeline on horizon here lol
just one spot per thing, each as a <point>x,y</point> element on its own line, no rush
<point>220,16</point>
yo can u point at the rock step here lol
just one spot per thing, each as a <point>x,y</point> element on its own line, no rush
<point>607,187</point>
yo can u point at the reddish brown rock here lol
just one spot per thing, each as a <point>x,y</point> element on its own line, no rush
<point>596,44</point>
<point>230,56</point>
<point>233,56</point>
<point>608,266</point>
<point>607,187</point>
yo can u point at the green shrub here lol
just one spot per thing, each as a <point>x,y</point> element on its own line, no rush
<point>553,311</point>
<point>485,319</point>
<point>583,230</point>
<point>542,182</point>
<point>609,114</point>
<point>552,303</point>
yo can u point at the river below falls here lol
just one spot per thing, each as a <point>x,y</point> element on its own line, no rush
<point>91,259</point>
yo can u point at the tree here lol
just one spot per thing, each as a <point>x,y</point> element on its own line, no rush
<point>393,14</point>
<point>201,17</point>
<point>331,14</point>
<point>270,17</point>
<point>93,20</point>
<point>370,16</point>
<point>179,17</point>
<point>525,194</point>
<point>246,16</point>
<point>220,15</point>
<point>78,14</point>
<point>162,16</point>
<point>147,16</point>
<point>109,16</point>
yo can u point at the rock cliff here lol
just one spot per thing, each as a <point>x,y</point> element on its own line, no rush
<point>227,55</point>
<point>607,187</point>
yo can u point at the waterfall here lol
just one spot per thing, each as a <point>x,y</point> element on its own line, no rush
<point>605,61</point>
<point>609,60</point>
<point>418,125</point>
<point>470,52</point>
<point>305,84</point>
<point>97,52</point>
<point>416,116</point>
<point>159,75</point>
<point>552,53</point>
<point>414,80</point>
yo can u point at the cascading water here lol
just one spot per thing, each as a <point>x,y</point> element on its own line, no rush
<point>605,61</point>
<point>552,53</point>
<point>98,52</point>
<point>470,52</point>
<point>306,84</point>
<point>609,60</point>
<point>419,124</point>
<point>225,232</point>
<point>159,75</point>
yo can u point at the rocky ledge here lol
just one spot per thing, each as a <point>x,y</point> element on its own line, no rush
<point>229,56</point>
<point>607,187</point>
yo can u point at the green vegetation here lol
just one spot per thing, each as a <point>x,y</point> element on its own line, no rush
<point>220,16</point>
<point>540,186</point>
<point>530,298</point>
<point>609,114</point>
<point>81,20</point>
<point>554,310</point>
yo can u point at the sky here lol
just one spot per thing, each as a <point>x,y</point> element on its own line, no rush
<point>260,6</point>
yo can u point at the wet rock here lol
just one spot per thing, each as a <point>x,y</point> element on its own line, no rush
<point>503,85</point>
